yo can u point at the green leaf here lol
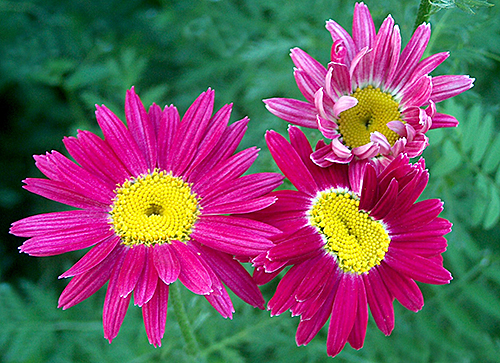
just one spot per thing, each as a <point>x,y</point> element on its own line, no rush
<point>493,208</point>
<point>480,202</point>
<point>470,125</point>
<point>482,138</point>
<point>492,158</point>
<point>483,298</point>
<point>449,161</point>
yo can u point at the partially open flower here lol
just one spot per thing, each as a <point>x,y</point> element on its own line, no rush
<point>372,100</point>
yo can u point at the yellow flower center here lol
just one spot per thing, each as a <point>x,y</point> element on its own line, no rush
<point>358,241</point>
<point>372,113</point>
<point>152,209</point>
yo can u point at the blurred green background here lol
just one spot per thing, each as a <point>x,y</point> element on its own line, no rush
<point>59,58</point>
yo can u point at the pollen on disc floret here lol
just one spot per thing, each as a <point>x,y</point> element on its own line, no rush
<point>374,110</point>
<point>154,208</point>
<point>358,241</point>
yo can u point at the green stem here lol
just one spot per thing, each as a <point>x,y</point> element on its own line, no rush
<point>175,299</point>
<point>424,13</point>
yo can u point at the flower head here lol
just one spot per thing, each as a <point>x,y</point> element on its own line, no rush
<point>355,237</point>
<point>157,202</point>
<point>372,100</point>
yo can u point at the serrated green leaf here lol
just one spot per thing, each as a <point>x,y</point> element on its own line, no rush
<point>470,126</point>
<point>480,202</point>
<point>449,161</point>
<point>493,208</point>
<point>482,138</point>
<point>492,158</point>
<point>483,298</point>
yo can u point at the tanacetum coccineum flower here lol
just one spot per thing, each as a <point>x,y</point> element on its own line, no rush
<point>372,99</point>
<point>355,237</point>
<point>159,202</point>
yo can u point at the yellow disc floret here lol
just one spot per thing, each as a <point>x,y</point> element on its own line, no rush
<point>154,208</point>
<point>358,241</point>
<point>372,113</point>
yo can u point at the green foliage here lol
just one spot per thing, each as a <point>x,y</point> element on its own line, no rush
<point>59,58</point>
<point>465,5</point>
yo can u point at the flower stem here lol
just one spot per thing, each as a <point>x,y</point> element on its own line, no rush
<point>192,346</point>
<point>424,13</point>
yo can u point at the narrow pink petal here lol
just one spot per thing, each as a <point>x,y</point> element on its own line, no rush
<point>67,240</point>
<point>232,168</point>
<point>193,274</point>
<point>190,132</point>
<point>402,288</point>
<point>215,129</point>
<point>307,86</point>
<point>317,277</point>
<point>311,66</point>
<point>95,156</point>
<point>393,57</point>
<point>380,57</point>
<point>284,297</point>
<point>343,313</point>
<point>240,207</point>
<point>167,128</point>
<point>340,83</point>
<point>246,188</point>
<point>327,127</point>
<point>363,29</point>
<point>148,281</point>
<point>236,236</point>
<point>154,313</point>
<point>131,269</point>
<point>337,32</point>
<point>340,149</point>
<point>94,257</point>
<point>411,55</point>
<point>155,114</point>
<point>366,151</point>
<point>42,224</point>
<point>234,275</point>
<point>357,336</point>
<point>416,267</point>
<point>290,163</point>
<point>418,94</point>
<point>398,127</point>
<point>442,120</point>
<point>419,214</point>
<point>360,76</point>
<point>447,86</point>
<point>294,111</point>
<point>78,179</point>
<point>121,141</point>
<point>344,103</point>
<point>308,329</point>
<point>325,157</point>
<point>140,127</point>
<point>220,301</point>
<point>302,242</point>
<point>424,247</point>
<point>84,285</point>
<point>386,201</point>
<point>226,146</point>
<point>379,300</point>
<point>356,172</point>
<point>115,307</point>
<point>369,189</point>
<point>380,139</point>
<point>166,262</point>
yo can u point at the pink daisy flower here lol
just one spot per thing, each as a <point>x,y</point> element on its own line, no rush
<point>372,99</point>
<point>355,237</point>
<point>157,202</point>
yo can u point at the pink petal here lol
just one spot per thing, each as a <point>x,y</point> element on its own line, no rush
<point>131,269</point>
<point>338,32</point>
<point>117,135</point>
<point>343,313</point>
<point>311,66</point>
<point>148,281</point>
<point>141,128</point>
<point>344,103</point>
<point>357,336</point>
<point>366,151</point>
<point>193,274</point>
<point>221,302</point>
<point>444,87</point>
<point>166,262</point>
<point>154,313</point>
<point>380,139</point>
<point>402,288</point>
<point>379,300</point>
<point>294,111</point>
<point>167,128</point>
<point>363,29</point>
<point>115,307</point>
